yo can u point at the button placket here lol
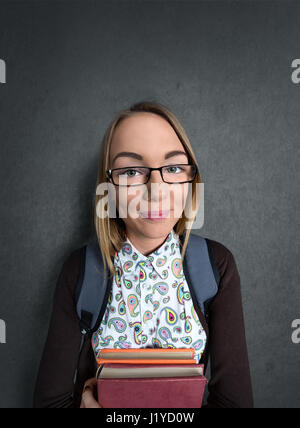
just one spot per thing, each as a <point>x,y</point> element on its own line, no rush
<point>147,306</point>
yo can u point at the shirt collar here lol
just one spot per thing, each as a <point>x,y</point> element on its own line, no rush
<point>160,259</point>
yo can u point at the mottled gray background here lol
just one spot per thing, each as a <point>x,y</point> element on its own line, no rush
<point>224,68</point>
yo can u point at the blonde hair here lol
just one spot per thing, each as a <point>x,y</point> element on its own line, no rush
<point>111,232</point>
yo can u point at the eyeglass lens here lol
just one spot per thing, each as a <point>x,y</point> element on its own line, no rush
<point>139,175</point>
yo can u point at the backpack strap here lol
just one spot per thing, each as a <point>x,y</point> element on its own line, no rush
<point>91,294</point>
<point>201,272</point>
<point>215,271</point>
<point>92,287</point>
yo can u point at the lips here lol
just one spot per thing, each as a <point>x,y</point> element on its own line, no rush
<point>155,214</point>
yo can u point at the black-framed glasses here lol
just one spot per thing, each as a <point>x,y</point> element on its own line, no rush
<point>138,175</point>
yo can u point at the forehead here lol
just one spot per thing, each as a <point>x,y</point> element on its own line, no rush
<point>145,133</point>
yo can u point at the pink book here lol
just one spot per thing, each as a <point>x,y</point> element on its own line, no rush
<point>178,391</point>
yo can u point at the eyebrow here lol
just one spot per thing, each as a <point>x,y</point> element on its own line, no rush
<point>134,155</point>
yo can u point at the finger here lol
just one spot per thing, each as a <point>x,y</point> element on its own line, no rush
<point>90,383</point>
<point>88,393</point>
<point>89,403</point>
<point>89,399</point>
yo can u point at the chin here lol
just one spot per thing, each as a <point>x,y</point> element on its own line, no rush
<point>153,229</point>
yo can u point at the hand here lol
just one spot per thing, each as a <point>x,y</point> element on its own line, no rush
<point>88,400</point>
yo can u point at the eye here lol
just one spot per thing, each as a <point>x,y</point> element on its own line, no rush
<point>172,169</point>
<point>131,172</point>
<point>128,172</point>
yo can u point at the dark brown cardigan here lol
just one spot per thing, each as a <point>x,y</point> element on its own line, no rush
<point>230,382</point>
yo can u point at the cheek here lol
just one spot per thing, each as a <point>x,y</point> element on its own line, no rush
<point>178,197</point>
<point>127,200</point>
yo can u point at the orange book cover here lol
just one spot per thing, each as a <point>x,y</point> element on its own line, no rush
<point>149,351</point>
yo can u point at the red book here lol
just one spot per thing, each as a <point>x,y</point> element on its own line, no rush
<point>165,386</point>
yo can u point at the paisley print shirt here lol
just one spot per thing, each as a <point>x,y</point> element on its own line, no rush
<point>150,304</point>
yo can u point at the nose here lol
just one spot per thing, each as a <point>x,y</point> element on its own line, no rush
<point>157,193</point>
<point>155,177</point>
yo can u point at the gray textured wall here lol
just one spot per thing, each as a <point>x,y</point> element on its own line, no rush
<point>224,68</point>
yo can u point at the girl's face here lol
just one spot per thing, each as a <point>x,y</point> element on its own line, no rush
<point>148,140</point>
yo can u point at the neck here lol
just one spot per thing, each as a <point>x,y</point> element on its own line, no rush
<point>144,244</point>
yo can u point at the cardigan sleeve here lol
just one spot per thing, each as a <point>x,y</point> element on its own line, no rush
<point>230,382</point>
<point>54,383</point>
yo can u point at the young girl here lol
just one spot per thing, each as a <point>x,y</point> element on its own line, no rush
<point>147,158</point>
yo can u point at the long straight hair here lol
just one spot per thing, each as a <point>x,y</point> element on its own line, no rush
<point>111,232</point>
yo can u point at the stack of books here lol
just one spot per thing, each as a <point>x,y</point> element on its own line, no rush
<point>149,378</point>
